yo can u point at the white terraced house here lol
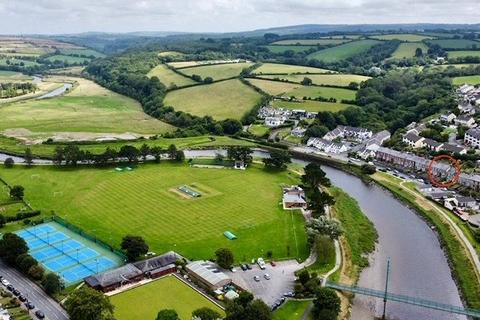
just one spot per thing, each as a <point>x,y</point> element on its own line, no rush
<point>472,138</point>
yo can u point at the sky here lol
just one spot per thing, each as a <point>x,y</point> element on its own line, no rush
<point>74,16</point>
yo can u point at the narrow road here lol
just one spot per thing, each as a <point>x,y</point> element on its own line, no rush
<point>34,294</point>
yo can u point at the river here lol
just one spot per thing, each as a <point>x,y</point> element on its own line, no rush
<point>419,267</point>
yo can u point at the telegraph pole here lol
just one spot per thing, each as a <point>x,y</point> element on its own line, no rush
<point>386,290</point>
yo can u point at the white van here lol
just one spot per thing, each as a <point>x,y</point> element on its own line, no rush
<point>261,263</point>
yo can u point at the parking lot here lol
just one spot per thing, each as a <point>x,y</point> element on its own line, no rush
<point>282,279</point>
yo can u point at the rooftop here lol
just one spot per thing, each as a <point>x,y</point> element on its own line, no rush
<point>207,271</point>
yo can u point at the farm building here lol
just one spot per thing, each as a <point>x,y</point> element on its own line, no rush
<point>113,279</point>
<point>294,198</point>
<point>207,275</point>
<point>158,266</point>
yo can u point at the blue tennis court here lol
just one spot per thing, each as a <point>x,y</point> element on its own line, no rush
<point>66,253</point>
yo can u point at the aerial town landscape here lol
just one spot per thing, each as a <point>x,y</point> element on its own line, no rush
<point>310,161</point>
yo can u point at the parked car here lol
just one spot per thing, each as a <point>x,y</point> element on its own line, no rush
<point>261,263</point>
<point>22,298</point>
<point>29,305</point>
<point>233,269</point>
<point>5,282</point>
<point>10,287</point>
<point>256,278</point>
<point>243,267</point>
<point>289,294</point>
<point>249,267</point>
<point>273,263</point>
<point>16,292</point>
<point>40,314</point>
<point>267,276</point>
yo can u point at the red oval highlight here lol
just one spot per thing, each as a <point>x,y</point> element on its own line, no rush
<point>448,184</point>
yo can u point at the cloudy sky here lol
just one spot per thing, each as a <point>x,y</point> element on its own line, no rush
<point>71,16</point>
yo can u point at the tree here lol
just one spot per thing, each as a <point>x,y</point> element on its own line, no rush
<point>25,262</point>
<point>278,159</point>
<point>306,81</point>
<point>58,155</point>
<point>246,308</point>
<point>144,151</point>
<point>3,220</point>
<point>206,314</point>
<point>180,156</point>
<point>208,80</point>
<point>303,276</point>
<point>8,163</point>
<point>172,151</point>
<point>11,246</point>
<point>134,246</point>
<point>36,272</point>
<point>89,304</point>
<point>326,306</point>
<point>129,152</point>
<point>239,153</point>
<point>231,126</point>
<point>317,201</point>
<point>314,176</point>
<point>17,192</point>
<point>156,152</point>
<point>418,52</point>
<point>28,157</point>
<point>167,314</point>
<point>52,283</point>
<point>324,226</point>
<point>477,235</point>
<point>368,169</point>
<point>224,257</point>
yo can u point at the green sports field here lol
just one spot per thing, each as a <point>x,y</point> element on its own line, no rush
<point>463,53</point>
<point>145,202</point>
<point>343,51</point>
<point>87,108</point>
<point>311,42</point>
<point>169,78</point>
<point>456,43</point>
<point>409,37</point>
<point>282,49</point>
<point>144,302</point>
<point>278,68</point>
<point>68,59</point>
<point>341,80</point>
<point>297,90</point>
<point>221,100</point>
<point>407,50</point>
<point>312,106</point>
<point>474,80</point>
<point>218,71</point>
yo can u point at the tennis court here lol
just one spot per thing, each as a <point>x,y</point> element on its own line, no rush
<point>66,253</point>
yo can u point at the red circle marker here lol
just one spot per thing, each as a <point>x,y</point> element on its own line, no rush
<point>453,181</point>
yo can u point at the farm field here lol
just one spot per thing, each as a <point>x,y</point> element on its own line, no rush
<point>165,293</point>
<point>68,59</point>
<point>407,50</point>
<point>311,106</point>
<point>82,52</point>
<point>402,37</point>
<point>221,100</point>
<point>73,71</point>
<point>282,49</point>
<point>217,72</point>
<point>277,88</point>
<point>144,202</point>
<point>474,80</point>
<point>455,43</point>
<point>172,54</point>
<point>343,51</point>
<point>311,42</point>
<point>458,66</point>
<point>16,61</point>
<point>341,80</point>
<point>169,78</point>
<point>12,76</point>
<point>87,108</point>
<point>463,53</point>
<point>188,64</point>
<point>277,68</point>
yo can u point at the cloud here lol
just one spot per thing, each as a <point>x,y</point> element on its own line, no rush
<point>67,16</point>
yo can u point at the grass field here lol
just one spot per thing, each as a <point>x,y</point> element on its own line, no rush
<point>343,51</point>
<point>312,106</point>
<point>169,78</point>
<point>277,68</point>
<point>164,293</point>
<point>68,59</point>
<point>172,54</point>
<point>463,53</point>
<point>217,72</point>
<point>341,80</point>
<point>258,130</point>
<point>291,310</point>
<point>143,202</point>
<point>7,76</point>
<point>221,100</point>
<point>82,52</point>
<point>455,43</point>
<point>88,108</point>
<point>407,50</point>
<point>282,49</point>
<point>402,37</point>
<point>311,42</point>
<point>291,89</point>
<point>474,80</point>
<point>19,62</point>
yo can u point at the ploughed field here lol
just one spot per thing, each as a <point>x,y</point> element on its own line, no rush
<point>146,202</point>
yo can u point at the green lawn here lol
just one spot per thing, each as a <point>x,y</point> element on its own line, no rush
<point>282,49</point>
<point>277,68</point>
<point>68,59</point>
<point>343,51</point>
<point>341,80</point>
<point>217,72</point>
<point>87,108</point>
<point>402,37</point>
<point>169,78</point>
<point>407,50</point>
<point>82,52</point>
<point>291,310</point>
<point>474,80</point>
<point>291,89</point>
<point>144,302</point>
<point>456,43</point>
<point>311,42</point>
<point>258,130</point>
<point>312,106</point>
<point>144,202</point>
<point>221,100</point>
<point>463,53</point>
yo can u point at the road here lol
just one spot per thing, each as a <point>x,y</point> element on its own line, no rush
<point>52,310</point>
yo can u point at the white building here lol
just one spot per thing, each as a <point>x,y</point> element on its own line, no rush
<point>274,121</point>
<point>472,138</point>
<point>327,146</point>
<point>465,120</point>
<point>414,141</point>
<point>448,117</point>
